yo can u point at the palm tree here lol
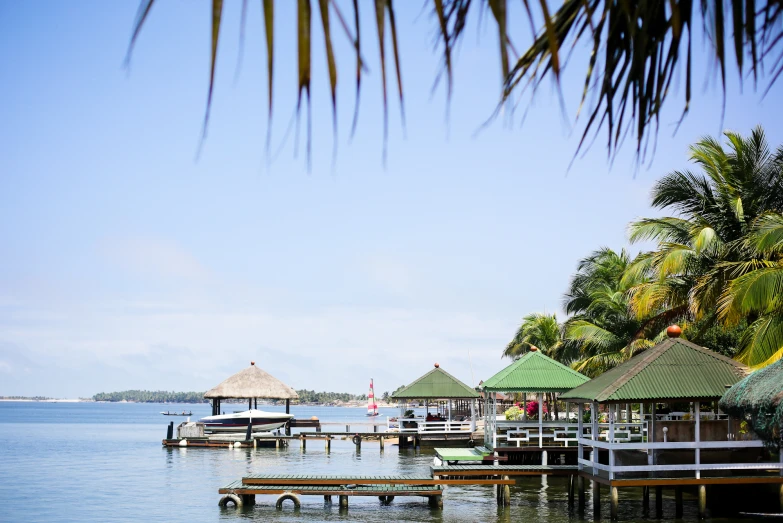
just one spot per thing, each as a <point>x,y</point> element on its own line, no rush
<point>637,47</point>
<point>699,248</point>
<point>537,330</point>
<point>758,294</point>
<point>602,327</point>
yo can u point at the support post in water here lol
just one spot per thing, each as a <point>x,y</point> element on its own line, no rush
<point>702,501</point>
<point>596,500</point>
<point>170,431</point>
<point>677,502</point>
<point>615,502</point>
<point>343,501</point>
<point>580,480</point>
<point>658,502</point>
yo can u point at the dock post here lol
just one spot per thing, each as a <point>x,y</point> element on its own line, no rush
<point>436,501</point>
<point>170,430</point>
<point>781,491</point>
<point>328,499</point>
<point>303,445</point>
<point>646,499</point>
<point>381,441</point>
<point>506,493</point>
<point>277,443</point>
<point>571,488</point>
<point>658,502</point>
<point>677,502</point>
<point>255,443</point>
<point>343,501</point>
<point>615,501</point>
<point>328,444</point>
<point>702,501</point>
<point>544,459</point>
<point>596,500</point>
<point>580,480</point>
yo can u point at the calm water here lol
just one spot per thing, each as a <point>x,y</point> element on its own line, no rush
<point>104,462</point>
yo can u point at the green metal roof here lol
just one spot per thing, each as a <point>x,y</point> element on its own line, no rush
<point>436,384</point>
<point>534,372</point>
<point>673,369</point>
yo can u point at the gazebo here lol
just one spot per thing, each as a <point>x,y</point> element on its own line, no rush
<point>533,373</point>
<point>680,445</point>
<point>251,384</point>
<point>442,388</point>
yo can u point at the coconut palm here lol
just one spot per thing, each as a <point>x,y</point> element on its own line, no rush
<point>602,327</point>
<point>537,330</point>
<point>637,47</point>
<point>703,247</point>
<point>758,294</point>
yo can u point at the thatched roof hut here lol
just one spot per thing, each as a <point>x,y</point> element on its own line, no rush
<point>759,397</point>
<point>254,383</point>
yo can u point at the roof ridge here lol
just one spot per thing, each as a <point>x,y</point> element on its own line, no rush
<point>645,359</point>
<point>741,367</point>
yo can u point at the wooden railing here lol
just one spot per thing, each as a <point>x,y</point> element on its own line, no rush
<point>560,433</point>
<point>414,425</point>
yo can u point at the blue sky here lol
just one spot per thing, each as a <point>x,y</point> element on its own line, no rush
<point>126,262</point>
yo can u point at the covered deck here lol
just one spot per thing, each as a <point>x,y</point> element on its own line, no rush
<point>441,390</point>
<point>697,446</point>
<point>533,375</point>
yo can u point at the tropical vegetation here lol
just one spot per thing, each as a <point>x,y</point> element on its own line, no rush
<point>717,268</point>
<point>162,396</point>
<point>637,49</point>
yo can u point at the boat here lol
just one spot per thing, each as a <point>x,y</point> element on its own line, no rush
<point>261,420</point>
<point>372,407</point>
<point>183,413</point>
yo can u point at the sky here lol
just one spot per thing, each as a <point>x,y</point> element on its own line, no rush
<point>135,256</point>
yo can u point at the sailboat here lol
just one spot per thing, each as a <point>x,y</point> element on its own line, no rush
<point>372,407</point>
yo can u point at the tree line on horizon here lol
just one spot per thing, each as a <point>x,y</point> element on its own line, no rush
<point>716,269</point>
<point>162,396</point>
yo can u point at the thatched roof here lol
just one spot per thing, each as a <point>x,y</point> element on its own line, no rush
<point>252,382</point>
<point>759,397</point>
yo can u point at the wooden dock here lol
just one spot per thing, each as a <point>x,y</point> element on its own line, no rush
<point>291,486</point>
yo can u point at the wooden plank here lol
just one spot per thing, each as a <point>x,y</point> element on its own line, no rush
<point>337,480</point>
<point>376,490</point>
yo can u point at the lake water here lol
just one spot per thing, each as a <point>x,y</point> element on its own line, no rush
<point>104,462</point>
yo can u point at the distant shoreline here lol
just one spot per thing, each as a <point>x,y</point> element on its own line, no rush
<point>86,400</point>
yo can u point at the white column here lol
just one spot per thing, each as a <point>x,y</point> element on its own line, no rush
<point>540,421</point>
<point>594,431</point>
<point>612,417</point>
<point>524,406</point>
<point>473,415</point>
<point>697,413</point>
<point>579,430</point>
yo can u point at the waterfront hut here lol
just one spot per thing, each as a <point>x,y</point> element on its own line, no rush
<point>758,399</point>
<point>441,389</point>
<point>675,446</point>
<point>532,375</point>
<point>251,384</point>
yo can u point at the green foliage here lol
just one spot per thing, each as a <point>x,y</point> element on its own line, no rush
<point>537,330</point>
<point>311,396</point>
<point>514,413</point>
<point>150,396</point>
<point>637,50</point>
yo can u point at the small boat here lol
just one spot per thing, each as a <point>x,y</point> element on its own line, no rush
<point>261,420</point>
<point>372,407</point>
<point>183,413</point>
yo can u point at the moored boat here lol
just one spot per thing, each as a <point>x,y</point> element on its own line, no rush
<point>183,413</point>
<point>261,420</point>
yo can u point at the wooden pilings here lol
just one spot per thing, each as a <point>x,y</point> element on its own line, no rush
<point>658,502</point>
<point>615,501</point>
<point>702,501</point>
<point>678,502</point>
<point>596,500</point>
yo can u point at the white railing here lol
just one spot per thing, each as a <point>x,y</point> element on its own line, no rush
<point>697,467</point>
<point>423,426</point>
<point>524,433</point>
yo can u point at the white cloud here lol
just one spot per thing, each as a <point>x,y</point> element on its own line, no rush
<point>153,256</point>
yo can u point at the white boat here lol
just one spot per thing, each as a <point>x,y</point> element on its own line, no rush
<point>261,420</point>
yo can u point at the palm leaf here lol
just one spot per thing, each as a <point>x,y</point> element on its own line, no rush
<point>269,31</point>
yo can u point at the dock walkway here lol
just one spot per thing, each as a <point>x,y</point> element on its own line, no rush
<point>501,470</point>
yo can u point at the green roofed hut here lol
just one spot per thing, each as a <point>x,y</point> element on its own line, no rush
<point>440,389</point>
<point>532,373</point>
<point>679,444</point>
